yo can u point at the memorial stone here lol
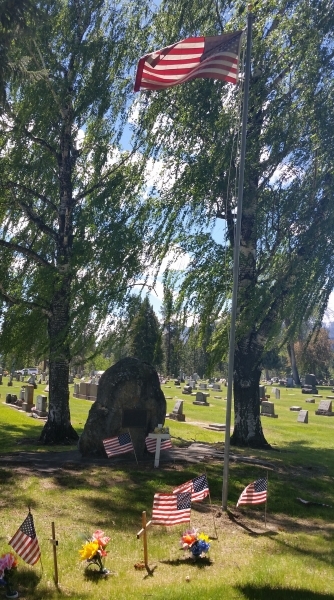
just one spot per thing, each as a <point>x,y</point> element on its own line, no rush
<point>216,386</point>
<point>325,408</point>
<point>187,390</point>
<point>289,382</point>
<point>311,380</point>
<point>295,408</point>
<point>128,392</point>
<point>203,386</point>
<point>268,409</point>
<point>310,400</point>
<point>41,406</point>
<point>302,416</point>
<point>93,391</point>
<point>262,392</point>
<point>201,399</point>
<point>177,414</point>
<point>28,397</point>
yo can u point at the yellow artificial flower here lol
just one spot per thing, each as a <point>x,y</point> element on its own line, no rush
<point>204,537</point>
<point>89,550</point>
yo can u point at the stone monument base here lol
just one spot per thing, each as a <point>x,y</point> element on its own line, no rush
<point>175,417</point>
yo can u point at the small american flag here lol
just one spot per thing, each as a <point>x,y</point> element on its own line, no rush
<point>120,444</point>
<point>254,493</point>
<point>171,509</point>
<point>214,57</point>
<point>151,444</point>
<point>198,487</point>
<point>25,542</point>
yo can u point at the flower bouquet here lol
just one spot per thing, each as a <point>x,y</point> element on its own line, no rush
<point>197,543</point>
<point>8,564</point>
<point>94,550</point>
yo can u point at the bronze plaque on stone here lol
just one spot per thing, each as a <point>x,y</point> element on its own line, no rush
<point>134,418</point>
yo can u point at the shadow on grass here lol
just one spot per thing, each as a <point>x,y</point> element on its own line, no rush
<point>28,584</point>
<point>237,521</point>
<point>263,593</point>
<point>95,576</point>
<point>200,563</point>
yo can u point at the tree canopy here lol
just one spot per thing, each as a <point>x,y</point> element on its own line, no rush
<point>76,230</point>
<point>286,254</point>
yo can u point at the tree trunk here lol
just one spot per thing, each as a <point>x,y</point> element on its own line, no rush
<point>247,372</point>
<point>58,428</point>
<point>294,369</point>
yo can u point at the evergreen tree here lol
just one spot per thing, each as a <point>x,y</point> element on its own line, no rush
<point>145,336</point>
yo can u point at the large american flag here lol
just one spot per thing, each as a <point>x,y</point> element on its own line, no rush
<point>25,542</point>
<point>171,509</point>
<point>213,57</point>
<point>254,493</point>
<point>198,488</point>
<point>151,444</point>
<point>120,444</point>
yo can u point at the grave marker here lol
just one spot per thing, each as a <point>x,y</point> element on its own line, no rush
<point>302,416</point>
<point>177,414</point>
<point>325,408</point>
<point>268,409</point>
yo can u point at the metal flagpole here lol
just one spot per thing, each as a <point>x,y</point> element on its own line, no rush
<point>236,260</point>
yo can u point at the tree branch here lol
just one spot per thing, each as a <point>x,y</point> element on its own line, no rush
<point>13,184</point>
<point>104,177</point>
<point>17,301</point>
<point>26,252</point>
<point>37,220</point>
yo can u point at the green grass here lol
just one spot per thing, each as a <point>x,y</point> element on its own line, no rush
<point>292,558</point>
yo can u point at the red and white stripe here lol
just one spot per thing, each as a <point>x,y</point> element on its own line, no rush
<point>166,511</point>
<point>151,444</point>
<point>215,57</point>
<point>26,547</point>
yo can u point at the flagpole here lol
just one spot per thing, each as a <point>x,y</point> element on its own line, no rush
<point>236,261</point>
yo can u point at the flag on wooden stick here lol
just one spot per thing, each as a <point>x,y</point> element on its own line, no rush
<point>151,444</point>
<point>120,444</point>
<point>213,57</point>
<point>25,542</point>
<point>198,488</point>
<point>254,493</point>
<point>171,509</point>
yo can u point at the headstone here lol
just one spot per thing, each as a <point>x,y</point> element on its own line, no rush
<point>17,376</point>
<point>129,385</point>
<point>28,397</point>
<point>262,392</point>
<point>217,426</point>
<point>325,408</point>
<point>201,399</point>
<point>8,399</point>
<point>177,414</point>
<point>203,386</point>
<point>93,391</point>
<point>311,380</point>
<point>70,379</point>
<point>76,392</point>
<point>268,409</point>
<point>83,389</point>
<point>187,390</point>
<point>289,382</point>
<point>295,408</point>
<point>1,379</point>
<point>277,392</point>
<point>302,416</point>
<point>331,382</point>
<point>216,386</point>
<point>310,400</point>
<point>41,406</point>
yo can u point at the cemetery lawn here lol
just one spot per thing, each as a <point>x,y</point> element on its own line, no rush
<point>291,558</point>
